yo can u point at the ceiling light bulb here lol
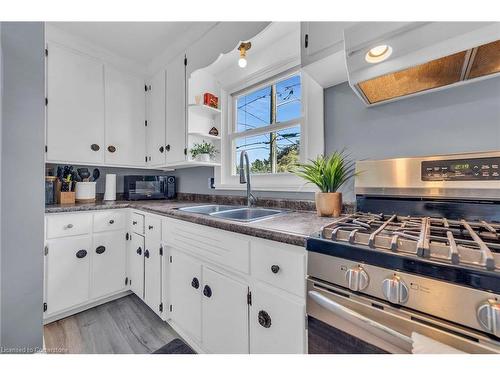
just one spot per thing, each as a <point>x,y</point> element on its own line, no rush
<point>378,53</point>
<point>242,62</point>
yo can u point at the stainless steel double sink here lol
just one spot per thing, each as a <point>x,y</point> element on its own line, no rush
<point>236,213</point>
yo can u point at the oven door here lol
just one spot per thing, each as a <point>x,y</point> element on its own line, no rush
<point>349,323</point>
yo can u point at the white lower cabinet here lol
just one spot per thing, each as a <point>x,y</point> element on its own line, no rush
<point>67,272</point>
<point>108,264</point>
<point>136,264</point>
<point>277,322</point>
<point>185,293</point>
<point>152,263</point>
<point>224,314</point>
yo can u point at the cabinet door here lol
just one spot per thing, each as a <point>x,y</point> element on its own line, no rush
<point>68,272</point>
<point>152,263</point>
<point>156,120</point>
<point>225,314</point>
<point>277,322</point>
<point>109,262</point>
<point>75,110</point>
<point>176,110</point>
<point>185,291</point>
<point>323,39</point>
<point>125,133</point>
<point>136,265</point>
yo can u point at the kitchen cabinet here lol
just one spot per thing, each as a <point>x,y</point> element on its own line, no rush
<point>185,293</point>
<point>125,130</point>
<point>156,120</point>
<point>153,253</point>
<point>136,264</point>
<point>224,314</point>
<point>277,322</point>
<point>75,107</point>
<point>320,39</point>
<point>176,111</point>
<point>67,272</point>
<point>108,263</point>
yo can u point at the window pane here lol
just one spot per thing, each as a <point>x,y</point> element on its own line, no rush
<point>254,110</point>
<point>288,99</point>
<point>287,148</point>
<point>258,150</point>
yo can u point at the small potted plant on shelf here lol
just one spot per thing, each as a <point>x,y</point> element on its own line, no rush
<point>328,173</point>
<point>204,151</point>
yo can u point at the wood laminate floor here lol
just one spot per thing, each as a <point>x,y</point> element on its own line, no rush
<point>125,325</point>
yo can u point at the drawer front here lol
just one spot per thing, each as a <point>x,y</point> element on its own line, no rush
<point>137,223</point>
<point>109,220</point>
<point>283,266</point>
<point>63,225</point>
<point>215,245</point>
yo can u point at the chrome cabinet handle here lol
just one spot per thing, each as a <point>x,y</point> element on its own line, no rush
<point>69,226</point>
<point>111,221</point>
<point>275,268</point>
<point>353,316</point>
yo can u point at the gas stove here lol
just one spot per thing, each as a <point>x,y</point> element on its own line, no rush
<point>424,246</point>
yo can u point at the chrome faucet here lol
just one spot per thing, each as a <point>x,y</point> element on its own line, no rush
<point>245,177</point>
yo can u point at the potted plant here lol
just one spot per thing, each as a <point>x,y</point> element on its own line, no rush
<point>328,173</point>
<point>203,151</point>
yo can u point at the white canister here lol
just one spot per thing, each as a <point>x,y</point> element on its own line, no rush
<point>85,191</point>
<point>110,192</point>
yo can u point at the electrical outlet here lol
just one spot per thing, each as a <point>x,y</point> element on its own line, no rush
<point>211,183</point>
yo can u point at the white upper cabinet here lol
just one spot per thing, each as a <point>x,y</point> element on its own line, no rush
<point>75,110</point>
<point>176,111</point>
<point>156,120</point>
<point>125,131</point>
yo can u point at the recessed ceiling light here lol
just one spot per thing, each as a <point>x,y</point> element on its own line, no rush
<point>378,53</point>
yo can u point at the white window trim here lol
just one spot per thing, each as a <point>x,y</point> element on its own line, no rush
<point>311,138</point>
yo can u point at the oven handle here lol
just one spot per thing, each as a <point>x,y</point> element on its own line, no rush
<point>352,315</point>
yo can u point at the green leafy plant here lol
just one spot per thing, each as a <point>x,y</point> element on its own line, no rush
<point>203,148</point>
<point>328,173</point>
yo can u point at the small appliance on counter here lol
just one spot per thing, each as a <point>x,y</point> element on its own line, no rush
<point>110,192</point>
<point>149,187</point>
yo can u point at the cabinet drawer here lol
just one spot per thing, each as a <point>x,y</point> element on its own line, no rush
<point>215,245</point>
<point>137,223</point>
<point>68,225</point>
<point>109,220</point>
<point>283,266</point>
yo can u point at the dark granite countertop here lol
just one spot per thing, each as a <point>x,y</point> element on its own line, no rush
<point>293,227</point>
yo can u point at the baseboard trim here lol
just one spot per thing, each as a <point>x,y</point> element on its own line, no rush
<point>76,310</point>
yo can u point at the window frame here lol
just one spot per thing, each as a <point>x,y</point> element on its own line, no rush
<point>233,134</point>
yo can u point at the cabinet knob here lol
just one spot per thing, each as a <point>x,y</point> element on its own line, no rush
<point>139,251</point>
<point>94,147</point>
<point>207,291</point>
<point>100,249</point>
<point>195,283</point>
<point>69,226</point>
<point>167,147</point>
<point>81,254</point>
<point>111,148</point>
<point>161,149</point>
<point>275,268</point>
<point>264,319</point>
<point>134,222</point>
<point>150,227</point>
<point>146,253</point>
<point>111,221</point>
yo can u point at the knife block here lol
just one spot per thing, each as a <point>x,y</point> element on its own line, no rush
<point>65,197</point>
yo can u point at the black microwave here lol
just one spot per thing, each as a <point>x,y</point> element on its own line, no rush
<point>149,187</point>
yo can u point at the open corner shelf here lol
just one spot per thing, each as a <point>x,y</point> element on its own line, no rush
<point>205,135</point>
<point>204,109</point>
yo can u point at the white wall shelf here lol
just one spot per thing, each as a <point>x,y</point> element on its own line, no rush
<point>193,163</point>
<point>203,109</point>
<point>204,135</point>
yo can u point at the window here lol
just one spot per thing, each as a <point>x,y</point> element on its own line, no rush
<point>267,125</point>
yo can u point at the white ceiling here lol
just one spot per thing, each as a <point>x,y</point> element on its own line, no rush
<point>137,41</point>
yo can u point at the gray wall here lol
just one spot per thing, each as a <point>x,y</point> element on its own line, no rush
<point>461,119</point>
<point>22,193</point>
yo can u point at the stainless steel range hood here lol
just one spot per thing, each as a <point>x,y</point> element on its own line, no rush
<point>426,56</point>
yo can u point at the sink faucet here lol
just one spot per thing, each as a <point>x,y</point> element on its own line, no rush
<point>245,177</point>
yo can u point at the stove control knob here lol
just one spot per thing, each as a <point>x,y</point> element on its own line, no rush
<point>357,278</point>
<point>488,315</point>
<point>395,290</point>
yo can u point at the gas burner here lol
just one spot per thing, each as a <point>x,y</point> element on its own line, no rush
<point>472,243</point>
